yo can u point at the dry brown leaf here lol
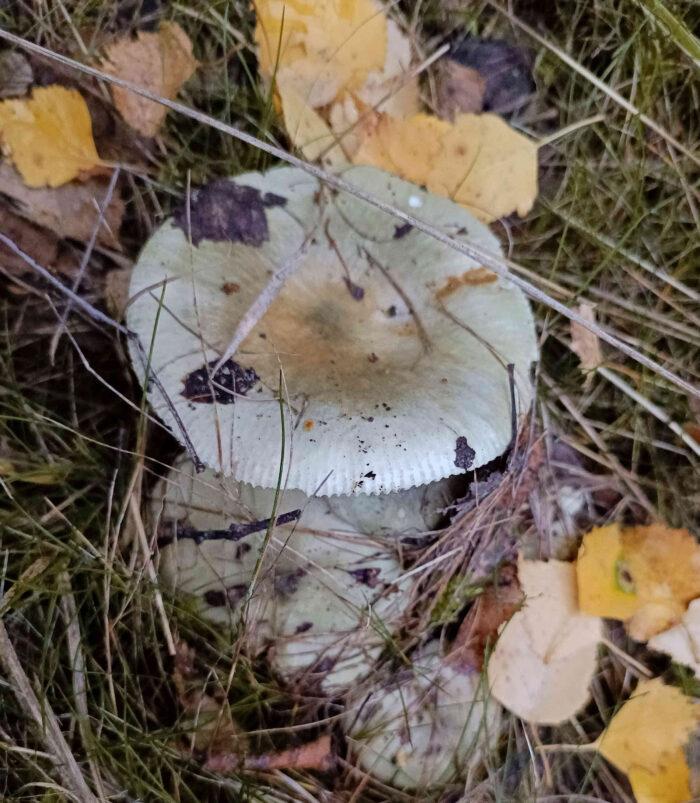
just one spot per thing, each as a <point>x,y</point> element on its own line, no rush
<point>546,654</point>
<point>460,90</point>
<point>116,291</point>
<point>644,575</point>
<point>160,62</point>
<point>48,136</point>
<point>584,343</point>
<point>320,49</point>
<point>71,210</point>
<point>480,627</point>
<point>479,161</point>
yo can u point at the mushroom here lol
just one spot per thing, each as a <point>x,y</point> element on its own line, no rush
<point>322,602</point>
<point>394,348</point>
<point>424,725</point>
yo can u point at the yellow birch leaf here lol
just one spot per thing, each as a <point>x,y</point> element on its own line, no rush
<point>604,585</point>
<point>48,136</point>
<point>645,575</point>
<point>308,131</point>
<point>670,784</point>
<point>330,45</point>
<point>650,728</point>
<point>160,62</point>
<point>478,161</point>
<point>682,642</point>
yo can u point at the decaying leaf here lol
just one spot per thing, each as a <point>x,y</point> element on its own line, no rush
<point>116,291</point>
<point>479,630</point>
<point>460,90</point>
<point>682,642</point>
<point>479,161</point>
<point>645,575</point>
<point>646,739</point>
<point>584,343</point>
<point>546,653</point>
<point>48,136</point>
<point>160,62</point>
<point>308,131</point>
<point>320,49</point>
<point>71,210</point>
<point>16,74</point>
<point>504,69</point>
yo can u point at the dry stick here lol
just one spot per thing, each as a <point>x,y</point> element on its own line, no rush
<point>84,261</point>
<point>94,313</point>
<point>79,675</point>
<point>589,76</point>
<point>500,266</point>
<point>45,720</point>
<point>656,411</point>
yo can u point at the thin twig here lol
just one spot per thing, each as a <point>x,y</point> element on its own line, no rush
<point>502,267</point>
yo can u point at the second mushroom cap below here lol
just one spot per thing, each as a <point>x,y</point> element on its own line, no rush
<point>393,348</point>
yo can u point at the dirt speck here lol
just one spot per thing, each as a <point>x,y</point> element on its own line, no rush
<point>464,454</point>
<point>368,576</point>
<point>223,386</point>
<point>308,425</point>
<point>357,292</point>
<point>230,287</point>
<point>402,231</point>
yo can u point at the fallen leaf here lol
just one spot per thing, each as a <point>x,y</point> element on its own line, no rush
<point>682,642</point>
<point>646,740</point>
<point>584,343</point>
<point>546,654</point>
<point>70,210</point>
<point>48,136</point>
<point>160,62</point>
<point>116,291</point>
<point>479,161</point>
<point>40,245</point>
<point>16,74</point>
<point>669,784</point>
<point>320,49</point>
<point>460,90</point>
<point>308,131</point>
<point>480,627</point>
<point>391,90</point>
<point>504,69</point>
<point>645,575</point>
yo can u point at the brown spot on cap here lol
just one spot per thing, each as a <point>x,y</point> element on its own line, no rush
<point>223,386</point>
<point>470,278</point>
<point>464,454</point>
<point>225,211</point>
<point>230,287</point>
<point>308,425</point>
